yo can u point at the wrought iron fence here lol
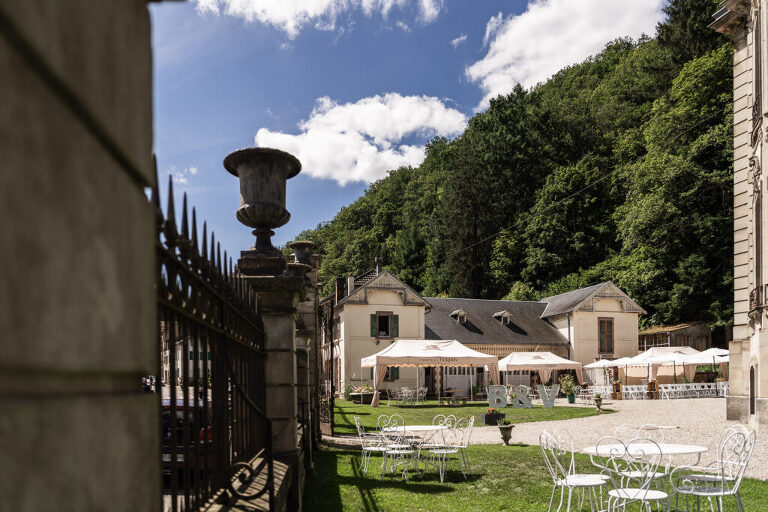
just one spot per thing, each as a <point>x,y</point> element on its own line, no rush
<point>326,367</point>
<point>216,439</point>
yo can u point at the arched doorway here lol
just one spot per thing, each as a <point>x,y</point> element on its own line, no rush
<point>752,390</point>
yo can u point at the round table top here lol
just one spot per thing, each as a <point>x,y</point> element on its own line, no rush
<point>606,450</point>
<point>413,428</point>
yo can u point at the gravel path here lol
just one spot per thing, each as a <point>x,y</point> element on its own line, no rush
<point>699,421</point>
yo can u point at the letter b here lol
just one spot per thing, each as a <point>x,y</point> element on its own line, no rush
<point>497,396</point>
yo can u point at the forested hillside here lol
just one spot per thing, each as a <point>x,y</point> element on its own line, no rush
<point>617,168</point>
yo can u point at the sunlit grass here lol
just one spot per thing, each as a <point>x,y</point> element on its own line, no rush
<point>345,411</point>
<point>505,478</point>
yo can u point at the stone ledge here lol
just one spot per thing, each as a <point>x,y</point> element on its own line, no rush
<point>283,477</point>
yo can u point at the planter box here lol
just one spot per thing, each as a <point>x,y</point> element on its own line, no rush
<point>492,419</point>
<point>361,398</point>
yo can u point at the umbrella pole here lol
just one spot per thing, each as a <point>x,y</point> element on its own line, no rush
<point>674,371</point>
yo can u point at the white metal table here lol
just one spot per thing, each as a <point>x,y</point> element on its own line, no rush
<point>638,449</point>
<point>413,428</point>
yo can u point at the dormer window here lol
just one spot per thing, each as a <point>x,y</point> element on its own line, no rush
<point>505,317</point>
<point>460,315</point>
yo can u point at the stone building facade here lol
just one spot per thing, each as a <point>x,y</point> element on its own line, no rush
<point>745,21</point>
<point>375,308</point>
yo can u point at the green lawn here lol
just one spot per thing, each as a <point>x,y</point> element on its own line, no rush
<point>345,412</point>
<point>506,478</point>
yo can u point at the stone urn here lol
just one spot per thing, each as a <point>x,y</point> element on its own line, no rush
<point>506,433</point>
<point>263,173</point>
<point>598,402</point>
<point>302,250</point>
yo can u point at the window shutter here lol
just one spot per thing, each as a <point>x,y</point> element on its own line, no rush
<point>374,326</point>
<point>371,373</point>
<point>395,373</point>
<point>395,326</point>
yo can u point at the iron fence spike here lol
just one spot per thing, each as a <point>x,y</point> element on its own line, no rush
<point>194,232</point>
<point>155,199</point>
<point>212,256</point>
<point>204,249</point>
<point>170,218</point>
<point>184,219</point>
<point>218,258</point>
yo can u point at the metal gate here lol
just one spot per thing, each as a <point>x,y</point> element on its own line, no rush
<point>327,362</point>
<point>216,439</point>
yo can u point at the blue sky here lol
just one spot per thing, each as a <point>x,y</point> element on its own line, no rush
<point>352,87</point>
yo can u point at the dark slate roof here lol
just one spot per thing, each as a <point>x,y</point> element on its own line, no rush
<point>567,302</point>
<point>365,278</point>
<point>481,328</point>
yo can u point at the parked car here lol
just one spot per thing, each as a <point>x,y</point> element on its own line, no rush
<point>197,420</point>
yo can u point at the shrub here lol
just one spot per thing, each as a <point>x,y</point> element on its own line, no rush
<point>567,384</point>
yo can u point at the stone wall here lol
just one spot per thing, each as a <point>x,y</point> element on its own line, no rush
<point>77,306</point>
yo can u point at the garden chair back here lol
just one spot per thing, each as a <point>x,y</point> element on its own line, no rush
<point>631,468</point>
<point>722,477</point>
<point>734,451</point>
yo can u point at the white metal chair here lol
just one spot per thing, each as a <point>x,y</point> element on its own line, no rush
<point>631,468</point>
<point>559,460</point>
<point>721,477</point>
<point>441,456</point>
<point>370,443</point>
<point>391,396</point>
<point>399,450</point>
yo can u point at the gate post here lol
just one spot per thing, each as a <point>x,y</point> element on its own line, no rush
<point>262,173</point>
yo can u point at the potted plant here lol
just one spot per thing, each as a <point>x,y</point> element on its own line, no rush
<point>505,427</point>
<point>567,384</point>
<point>362,394</point>
<point>492,416</point>
<point>598,401</point>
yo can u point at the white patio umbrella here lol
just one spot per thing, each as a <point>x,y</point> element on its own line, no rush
<point>713,356</point>
<point>541,362</point>
<point>609,363</point>
<point>657,356</point>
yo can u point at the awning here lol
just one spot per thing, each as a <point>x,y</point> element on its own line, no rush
<point>436,353</point>
<point>542,362</point>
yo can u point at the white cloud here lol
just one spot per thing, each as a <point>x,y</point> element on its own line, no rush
<point>291,16</point>
<point>492,27</point>
<point>403,26</point>
<point>551,34</point>
<point>430,10</point>
<point>456,42</point>
<point>361,141</point>
<point>181,176</point>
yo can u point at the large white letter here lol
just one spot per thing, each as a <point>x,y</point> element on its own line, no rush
<point>497,396</point>
<point>521,400</point>
<point>548,394</point>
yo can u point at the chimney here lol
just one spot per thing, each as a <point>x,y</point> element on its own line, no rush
<point>378,265</point>
<point>340,291</point>
<point>350,283</point>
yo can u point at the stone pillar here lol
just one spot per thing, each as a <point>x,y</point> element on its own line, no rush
<point>77,306</point>
<point>278,297</point>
